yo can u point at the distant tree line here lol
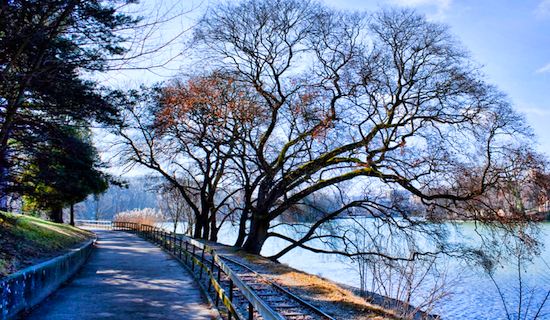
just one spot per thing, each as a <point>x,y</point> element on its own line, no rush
<point>136,193</point>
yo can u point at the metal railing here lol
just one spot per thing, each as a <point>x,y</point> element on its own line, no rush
<point>101,224</point>
<point>192,253</point>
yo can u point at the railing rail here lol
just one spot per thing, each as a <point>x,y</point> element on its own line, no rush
<point>107,224</point>
<point>192,253</point>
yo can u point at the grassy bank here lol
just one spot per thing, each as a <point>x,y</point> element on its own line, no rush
<point>26,240</point>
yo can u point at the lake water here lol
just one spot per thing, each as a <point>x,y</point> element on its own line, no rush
<point>472,295</point>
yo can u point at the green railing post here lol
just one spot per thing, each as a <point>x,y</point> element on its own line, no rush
<point>186,250</point>
<point>212,265</point>
<point>181,247</point>
<point>219,278</point>
<point>174,243</point>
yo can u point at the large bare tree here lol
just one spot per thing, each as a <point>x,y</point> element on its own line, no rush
<point>382,101</point>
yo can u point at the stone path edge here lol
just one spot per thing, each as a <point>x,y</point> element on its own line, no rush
<point>23,290</point>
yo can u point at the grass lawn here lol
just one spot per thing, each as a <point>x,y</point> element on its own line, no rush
<point>26,240</point>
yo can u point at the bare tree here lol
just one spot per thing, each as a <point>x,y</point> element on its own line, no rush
<point>522,302</point>
<point>413,287</point>
<point>386,100</point>
<point>175,208</point>
<point>187,130</point>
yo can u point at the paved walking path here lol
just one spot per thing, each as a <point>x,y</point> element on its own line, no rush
<point>127,278</point>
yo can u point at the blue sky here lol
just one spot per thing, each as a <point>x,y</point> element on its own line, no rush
<point>511,41</point>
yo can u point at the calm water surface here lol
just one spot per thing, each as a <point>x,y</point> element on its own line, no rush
<point>473,294</point>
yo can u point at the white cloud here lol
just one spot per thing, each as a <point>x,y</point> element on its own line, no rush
<point>544,69</point>
<point>543,9</point>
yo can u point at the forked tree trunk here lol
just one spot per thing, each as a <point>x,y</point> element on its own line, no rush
<point>205,227</point>
<point>213,228</point>
<point>213,233</point>
<point>257,235</point>
<point>197,228</point>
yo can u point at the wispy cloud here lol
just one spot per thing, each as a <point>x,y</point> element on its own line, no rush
<point>543,9</point>
<point>544,69</point>
<point>441,6</point>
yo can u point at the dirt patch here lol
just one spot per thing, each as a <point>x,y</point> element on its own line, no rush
<point>322,293</point>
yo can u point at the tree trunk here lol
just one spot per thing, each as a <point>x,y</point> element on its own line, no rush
<point>213,233</point>
<point>56,215</point>
<point>258,234</point>
<point>5,129</point>
<point>205,227</point>
<point>213,227</point>
<point>189,227</point>
<point>198,228</point>
<point>3,181</point>
<point>242,229</point>
<point>72,214</point>
<point>3,189</point>
<point>96,200</point>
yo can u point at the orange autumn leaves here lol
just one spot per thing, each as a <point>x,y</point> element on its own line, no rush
<point>215,100</point>
<point>219,102</point>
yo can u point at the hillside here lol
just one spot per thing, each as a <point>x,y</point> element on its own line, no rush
<point>26,240</point>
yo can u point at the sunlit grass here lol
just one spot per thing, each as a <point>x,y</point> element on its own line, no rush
<point>24,239</point>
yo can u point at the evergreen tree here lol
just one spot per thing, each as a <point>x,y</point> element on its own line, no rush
<point>62,171</point>
<point>45,46</point>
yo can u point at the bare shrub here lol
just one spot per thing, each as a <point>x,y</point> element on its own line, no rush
<point>144,216</point>
<point>522,299</point>
<point>414,284</point>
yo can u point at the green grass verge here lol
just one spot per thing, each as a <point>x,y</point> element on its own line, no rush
<point>25,240</point>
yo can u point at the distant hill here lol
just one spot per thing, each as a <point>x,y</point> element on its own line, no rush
<point>141,192</point>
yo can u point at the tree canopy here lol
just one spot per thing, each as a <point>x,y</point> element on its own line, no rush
<point>386,100</point>
<point>45,49</point>
<point>62,171</point>
<point>342,105</point>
